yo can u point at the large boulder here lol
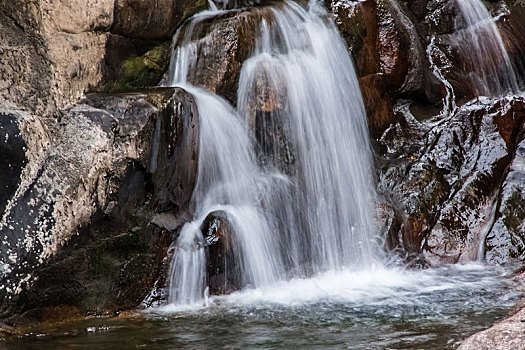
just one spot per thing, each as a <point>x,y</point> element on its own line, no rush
<point>225,40</point>
<point>79,229</point>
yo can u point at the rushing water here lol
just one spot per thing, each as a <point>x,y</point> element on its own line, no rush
<point>308,216</point>
<point>230,181</point>
<point>323,120</point>
<point>485,58</point>
<point>376,309</point>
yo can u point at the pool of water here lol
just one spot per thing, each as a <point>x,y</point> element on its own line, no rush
<point>377,309</point>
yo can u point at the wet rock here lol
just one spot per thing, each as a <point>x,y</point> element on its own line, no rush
<point>379,110</point>
<point>235,4</point>
<point>504,335</point>
<point>175,155</point>
<point>447,176</point>
<point>506,240</point>
<point>223,274</point>
<point>511,25</point>
<point>77,233</point>
<point>268,122</point>
<point>358,24</point>
<point>440,17</point>
<point>445,23</point>
<point>13,160</point>
<point>224,42</point>
<point>389,54</point>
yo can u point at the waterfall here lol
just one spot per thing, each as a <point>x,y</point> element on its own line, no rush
<point>324,120</point>
<point>484,55</point>
<point>291,168</point>
<point>230,181</point>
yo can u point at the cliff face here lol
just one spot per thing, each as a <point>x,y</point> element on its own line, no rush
<point>447,165</point>
<point>92,189</point>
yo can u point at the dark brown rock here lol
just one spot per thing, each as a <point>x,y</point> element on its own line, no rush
<point>175,155</point>
<point>223,265</point>
<point>379,109</point>
<point>227,40</point>
<point>153,19</point>
<point>389,54</point>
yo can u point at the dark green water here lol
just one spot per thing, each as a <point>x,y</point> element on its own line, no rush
<point>382,309</point>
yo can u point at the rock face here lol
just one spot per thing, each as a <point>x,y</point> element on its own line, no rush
<point>390,56</point>
<point>444,173</point>
<point>506,241</point>
<point>76,46</point>
<point>67,40</point>
<point>78,231</point>
<point>448,175</point>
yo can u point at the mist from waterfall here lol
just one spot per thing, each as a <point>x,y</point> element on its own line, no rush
<point>484,55</point>
<point>311,214</point>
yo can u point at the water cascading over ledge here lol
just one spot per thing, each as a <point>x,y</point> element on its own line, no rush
<point>483,54</point>
<point>289,173</point>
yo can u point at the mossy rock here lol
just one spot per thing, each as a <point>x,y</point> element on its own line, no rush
<point>138,72</point>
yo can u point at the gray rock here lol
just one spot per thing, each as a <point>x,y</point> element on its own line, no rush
<point>76,232</point>
<point>508,334</point>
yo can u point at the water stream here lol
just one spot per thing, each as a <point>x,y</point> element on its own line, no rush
<point>298,219</point>
<point>290,168</point>
<point>485,58</point>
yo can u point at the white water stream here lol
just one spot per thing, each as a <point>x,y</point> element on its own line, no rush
<point>290,168</point>
<point>485,56</point>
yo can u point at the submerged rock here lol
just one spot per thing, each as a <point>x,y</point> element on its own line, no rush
<point>504,335</point>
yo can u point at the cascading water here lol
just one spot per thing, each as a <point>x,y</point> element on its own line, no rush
<point>229,180</point>
<point>318,216</point>
<point>322,115</point>
<point>485,57</point>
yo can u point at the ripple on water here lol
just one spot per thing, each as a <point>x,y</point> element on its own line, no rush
<point>376,309</point>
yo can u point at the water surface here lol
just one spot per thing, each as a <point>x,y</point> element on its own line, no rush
<point>375,309</point>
